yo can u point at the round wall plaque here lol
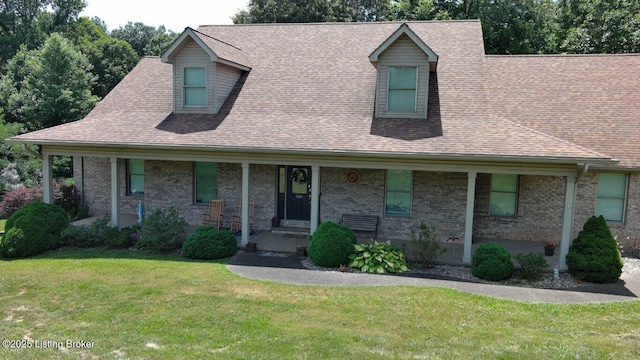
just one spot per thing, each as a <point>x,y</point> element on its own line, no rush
<point>353,176</point>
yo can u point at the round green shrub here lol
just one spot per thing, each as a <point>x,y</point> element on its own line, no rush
<point>331,245</point>
<point>593,256</point>
<point>33,229</point>
<point>491,262</point>
<point>208,242</point>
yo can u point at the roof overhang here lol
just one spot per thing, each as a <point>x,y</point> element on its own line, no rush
<point>404,29</point>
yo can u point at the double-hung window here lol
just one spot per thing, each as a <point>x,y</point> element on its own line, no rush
<point>206,182</point>
<point>195,90</point>
<point>403,84</point>
<point>135,176</point>
<point>612,194</point>
<point>398,192</point>
<point>503,200</point>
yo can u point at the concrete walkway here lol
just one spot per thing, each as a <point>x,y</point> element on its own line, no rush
<point>287,268</point>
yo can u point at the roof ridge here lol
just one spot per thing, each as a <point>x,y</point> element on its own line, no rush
<point>345,23</point>
<point>216,39</point>
<point>567,142</point>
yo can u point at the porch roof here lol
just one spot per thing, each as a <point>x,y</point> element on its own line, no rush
<point>311,89</point>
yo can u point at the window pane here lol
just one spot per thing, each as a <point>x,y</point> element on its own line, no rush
<point>399,180</point>
<point>195,96</point>
<point>398,199</point>
<point>136,184</point>
<point>194,77</point>
<point>402,100</point>
<point>206,181</point>
<point>135,167</point>
<point>502,204</point>
<point>402,78</point>
<point>612,185</point>
<point>504,182</point>
<point>612,209</point>
<point>398,203</point>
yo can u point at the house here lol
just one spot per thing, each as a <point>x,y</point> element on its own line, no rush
<point>410,122</point>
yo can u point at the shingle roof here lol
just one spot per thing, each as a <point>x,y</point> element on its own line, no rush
<point>312,88</point>
<point>590,100</point>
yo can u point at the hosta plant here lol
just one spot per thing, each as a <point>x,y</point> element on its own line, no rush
<point>377,257</point>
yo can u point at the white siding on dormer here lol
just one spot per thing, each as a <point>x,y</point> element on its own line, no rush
<point>403,52</point>
<point>227,79</point>
<point>192,55</point>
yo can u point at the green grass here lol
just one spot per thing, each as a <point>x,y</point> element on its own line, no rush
<point>133,305</point>
<point>2,222</point>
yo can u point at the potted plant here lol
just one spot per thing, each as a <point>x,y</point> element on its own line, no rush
<point>250,247</point>
<point>275,221</point>
<point>301,250</point>
<point>549,248</point>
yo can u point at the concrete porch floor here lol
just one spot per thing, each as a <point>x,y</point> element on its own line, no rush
<point>286,240</point>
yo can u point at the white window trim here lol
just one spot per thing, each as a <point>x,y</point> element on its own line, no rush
<point>415,100</point>
<point>625,200</point>
<point>184,86</point>
<point>515,209</point>
<point>386,192</point>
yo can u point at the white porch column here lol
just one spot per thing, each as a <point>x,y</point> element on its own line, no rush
<point>115,193</point>
<point>567,220</point>
<point>245,204</point>
<point>468,225</point>
<point>47,179</point>
<point>315,198</point>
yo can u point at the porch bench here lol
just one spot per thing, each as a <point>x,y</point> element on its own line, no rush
<point>361,223</point>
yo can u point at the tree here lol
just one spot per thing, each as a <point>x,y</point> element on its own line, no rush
<point>159,43</point>
<point>308,11</point>
<point>47,86</point>
<point>140,35</point>
<point>595,26</point>
<point>111,59</point>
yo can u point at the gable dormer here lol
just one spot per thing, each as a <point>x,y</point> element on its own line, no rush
<point>205,70</point>
<point>404,63</point>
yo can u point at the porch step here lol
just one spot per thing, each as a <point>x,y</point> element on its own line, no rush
<point>290,230</point>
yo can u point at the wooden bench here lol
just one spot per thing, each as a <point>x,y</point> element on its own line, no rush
<point>362,223</point>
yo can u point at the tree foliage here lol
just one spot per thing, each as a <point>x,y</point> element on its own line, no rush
<point>48,86</point>
<point>140,36</point>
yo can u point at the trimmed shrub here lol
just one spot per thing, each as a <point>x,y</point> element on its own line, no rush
<point>426,246</point>
<point>377,257</point>
<point>331,245</point>
<point>207,242</point>
<point>15,199</point>
<point>532,265</point>
<point>33,229</point>
<point>593,256</point>
<point>123,238</point>
<point>99,233</point>
<point>162,230</point>
<point>491,262</point>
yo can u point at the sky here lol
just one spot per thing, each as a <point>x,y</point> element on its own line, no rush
<point>173,15</point>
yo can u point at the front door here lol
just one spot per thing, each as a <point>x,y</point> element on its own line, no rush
<point>295,201</point>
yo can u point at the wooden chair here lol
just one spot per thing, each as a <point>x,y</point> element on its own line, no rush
<point>215,215</point>
<point>236,220</point>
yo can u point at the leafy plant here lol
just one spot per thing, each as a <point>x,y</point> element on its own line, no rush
<point>593,255</point>
<point>15,199</point>
<point>33,229</point>
<point>162,230</point>
<point>491,262</point>
<point>425,245</point>
<point>207,242</point>
<point>532,265</point>
<point>377,257</point>
<point>99,233</point>
<point>331,244</point>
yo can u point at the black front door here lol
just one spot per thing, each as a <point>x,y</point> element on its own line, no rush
<point>297,198</point>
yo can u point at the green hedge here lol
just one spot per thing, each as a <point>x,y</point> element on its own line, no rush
<point>331,245</point>
<point>207,242</point>
<point>491,262</point>
<point>33,229</point>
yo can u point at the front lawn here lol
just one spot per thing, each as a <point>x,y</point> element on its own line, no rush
<point>133,305</point>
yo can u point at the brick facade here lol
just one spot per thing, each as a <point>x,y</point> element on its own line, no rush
<point>439,199</point>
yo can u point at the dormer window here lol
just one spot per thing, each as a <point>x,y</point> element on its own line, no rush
<point>195,89</point>
<point>403,85</point>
